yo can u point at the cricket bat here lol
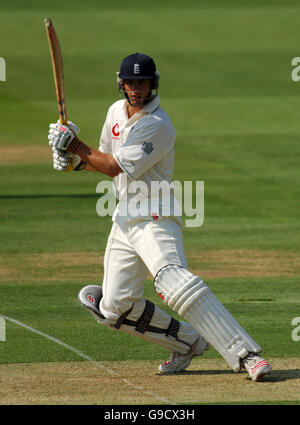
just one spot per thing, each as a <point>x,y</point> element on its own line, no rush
<point>58,72</point>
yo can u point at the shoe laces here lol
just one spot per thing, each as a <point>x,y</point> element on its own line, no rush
<point>175,359</point>
<point>250,360</point>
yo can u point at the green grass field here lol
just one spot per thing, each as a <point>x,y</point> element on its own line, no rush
<point>226,84</point>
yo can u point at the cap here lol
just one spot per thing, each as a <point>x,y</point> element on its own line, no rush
<point>137,66</point>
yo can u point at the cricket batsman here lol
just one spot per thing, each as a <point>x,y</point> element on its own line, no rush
<point>136,149</point>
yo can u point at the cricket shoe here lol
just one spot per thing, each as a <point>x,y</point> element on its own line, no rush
<point>256,366</point>
<point>179,362</point>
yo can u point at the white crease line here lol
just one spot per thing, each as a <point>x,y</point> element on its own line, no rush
<point>86,357</point>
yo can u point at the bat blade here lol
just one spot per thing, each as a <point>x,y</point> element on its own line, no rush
<point>57,66</point>
<point>58,73</point>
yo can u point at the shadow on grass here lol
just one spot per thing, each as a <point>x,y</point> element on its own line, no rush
<point>274,376</point>
<point>282,375</point>
<point>198,372</point>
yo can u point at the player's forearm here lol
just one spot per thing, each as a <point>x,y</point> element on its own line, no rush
<point>98,161</point>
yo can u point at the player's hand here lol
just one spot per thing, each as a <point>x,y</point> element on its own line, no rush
<point>66,161</point>
<point>60,136</point>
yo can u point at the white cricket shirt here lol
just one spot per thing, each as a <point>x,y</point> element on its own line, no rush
<point>143,146</point>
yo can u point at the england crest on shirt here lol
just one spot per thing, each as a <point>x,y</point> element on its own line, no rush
<point>147,147</point>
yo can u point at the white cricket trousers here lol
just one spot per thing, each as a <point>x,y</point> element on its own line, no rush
<point>133,250</point>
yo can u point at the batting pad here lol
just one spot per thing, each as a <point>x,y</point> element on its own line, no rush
<point>188,295</point>
<point>144,320</point>
<point>162,329</point>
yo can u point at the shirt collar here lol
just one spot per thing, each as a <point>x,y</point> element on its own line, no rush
<point>151,106</point>
<point>147,109</point>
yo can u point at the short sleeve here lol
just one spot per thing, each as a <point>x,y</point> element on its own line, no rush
<point>105,138</point>
<point>145,146</point>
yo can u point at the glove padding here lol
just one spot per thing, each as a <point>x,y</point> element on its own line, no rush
<point>66,161</point>
<point>60,135</point>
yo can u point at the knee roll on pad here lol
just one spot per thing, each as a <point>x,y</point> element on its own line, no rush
<point>179,288</point>
<point>190,297</point>
<point>89,297</point>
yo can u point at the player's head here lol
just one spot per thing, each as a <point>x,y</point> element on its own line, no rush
<point>138,67</point>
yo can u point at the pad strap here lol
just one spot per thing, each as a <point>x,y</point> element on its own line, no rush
<point>122,318</point>
<point>173,328</point>
<point>145,319</point>
<point>155,329</point>
<point>143,323</point>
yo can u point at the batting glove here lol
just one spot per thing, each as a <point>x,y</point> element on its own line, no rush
<point>66,161</point>
<point>60,136</point>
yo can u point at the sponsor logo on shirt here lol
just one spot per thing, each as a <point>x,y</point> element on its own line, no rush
<point>147,147</point>
<point>115,132</point>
